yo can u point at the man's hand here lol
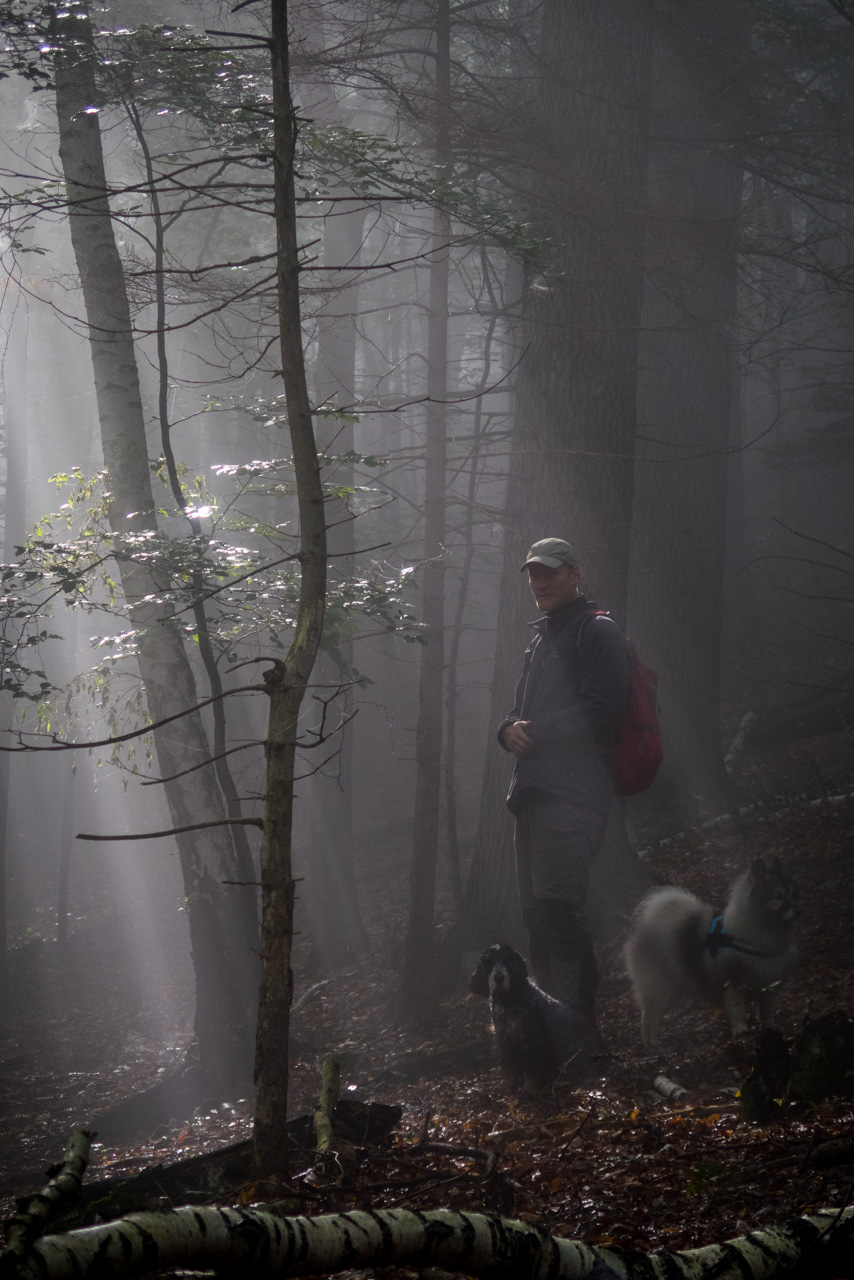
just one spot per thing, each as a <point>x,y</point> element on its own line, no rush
<point>516,739</point>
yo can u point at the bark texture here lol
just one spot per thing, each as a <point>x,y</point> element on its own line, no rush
<point>35,1212</point>
<point>261,1244</point>
<point>338,934</point>
<point>220,947</point>
<point>571,467</point>
<point>418,986</point>
<point>286,681</point>
<point>333,1151</point>
<point>14,372</point>
<point>242,849</point>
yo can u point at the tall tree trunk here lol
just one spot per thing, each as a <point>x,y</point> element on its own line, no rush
<point>286,681</point>
<point>243,853</point>
<point>337,930</point>
<point>571,465</point>
<point>66,851</point>
<point>66,839</point>
<point>452,691</point>
<point>14,523</point>
<point>221,949</point>
<point>685,413</point>
<point>418,986</point>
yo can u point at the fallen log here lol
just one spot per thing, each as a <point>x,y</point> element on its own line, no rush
<point>221,1173</point>
<point>265,1241</point>
<point>35,1212</point>
<point>263,1244</point>
<point>669,1089</point>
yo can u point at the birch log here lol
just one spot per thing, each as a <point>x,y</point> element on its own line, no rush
<point>260,1244</point>
<point>35,1212</point>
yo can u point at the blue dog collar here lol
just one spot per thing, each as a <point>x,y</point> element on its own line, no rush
<point>717,938</point>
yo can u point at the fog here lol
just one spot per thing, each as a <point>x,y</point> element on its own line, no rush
<point>641,287</point>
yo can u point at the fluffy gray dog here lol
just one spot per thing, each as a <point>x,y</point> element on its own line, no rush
<point>679,947</point>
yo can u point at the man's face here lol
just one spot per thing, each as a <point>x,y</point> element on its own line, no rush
<point>553,587</point>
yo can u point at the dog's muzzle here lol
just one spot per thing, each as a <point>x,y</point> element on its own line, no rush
<point>499,980</point>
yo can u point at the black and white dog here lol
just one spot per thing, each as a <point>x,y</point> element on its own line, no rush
<point>536,1034</point>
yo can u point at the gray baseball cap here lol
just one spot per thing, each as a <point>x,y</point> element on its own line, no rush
<point>552,552</point>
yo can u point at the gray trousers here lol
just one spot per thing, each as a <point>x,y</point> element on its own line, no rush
<point>556,843</point>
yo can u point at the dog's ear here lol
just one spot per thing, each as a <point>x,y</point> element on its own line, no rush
<point>480,977</point>
<point>758,871</point>
<point>516,966</point>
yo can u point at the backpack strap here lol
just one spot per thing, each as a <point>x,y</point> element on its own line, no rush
<point>571,651</point>
<point>584,623</point>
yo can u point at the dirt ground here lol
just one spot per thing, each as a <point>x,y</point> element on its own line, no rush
<point>612,1162</point>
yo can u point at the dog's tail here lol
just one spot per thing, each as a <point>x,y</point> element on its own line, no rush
<point>664,907</point>
<point>667,940</point>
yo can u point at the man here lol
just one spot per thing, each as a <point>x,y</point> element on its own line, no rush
<point>570,702</point>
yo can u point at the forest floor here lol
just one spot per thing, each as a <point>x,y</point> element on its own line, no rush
<point>612,1162</point>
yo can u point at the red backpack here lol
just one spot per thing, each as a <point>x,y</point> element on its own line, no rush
<point>637,753</point>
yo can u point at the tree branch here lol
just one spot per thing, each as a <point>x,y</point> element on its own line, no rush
<point>177,831</point>
<point>59,745</point>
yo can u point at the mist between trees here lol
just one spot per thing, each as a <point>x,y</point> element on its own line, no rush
<point>573,269</point>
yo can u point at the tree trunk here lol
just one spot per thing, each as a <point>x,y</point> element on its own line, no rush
<point>338,934</point>
<point>739,616</point>
<point>68,666</point>
<point>418,988</point>
<point>685,411</point>
<point>286,681</point>
<point>571,465</point>
<point>221,951</point>
<point>14,528</point>
<point>242,850</point>
<point>452,691</point>
<point>258,1243</point>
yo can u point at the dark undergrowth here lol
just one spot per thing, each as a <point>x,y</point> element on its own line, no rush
<point>610,1162</point>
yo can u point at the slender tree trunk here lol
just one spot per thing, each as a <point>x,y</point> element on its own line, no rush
<point>69,785</point>
<point>337,929</point>
<point>452,692</point>
<point>572,460</point>
<point>14,524</point>
<point>418,988</point>
<point>66,852</point>
<point>221,949</point>
<point>286,681</point>
<point>739,617</point>
<point>243,853</point>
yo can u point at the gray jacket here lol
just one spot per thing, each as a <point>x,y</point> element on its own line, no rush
<point>574,689</point>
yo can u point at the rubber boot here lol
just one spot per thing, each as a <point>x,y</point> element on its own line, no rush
<point>574,972</point>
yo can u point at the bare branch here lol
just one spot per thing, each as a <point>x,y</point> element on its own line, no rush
<point>156,782</point>
<point>829,546</point>
<point>59,745</point>
<point>177,831</point>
